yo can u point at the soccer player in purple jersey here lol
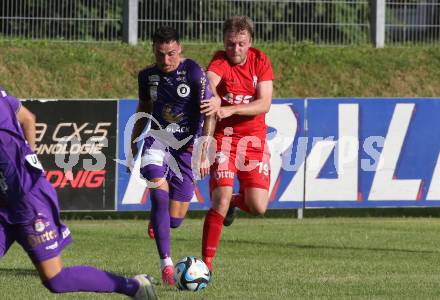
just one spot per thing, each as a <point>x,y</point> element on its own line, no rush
<point>171,91</point>
<point>29,214</point>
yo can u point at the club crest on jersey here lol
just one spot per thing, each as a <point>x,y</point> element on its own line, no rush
<point>183,90</point>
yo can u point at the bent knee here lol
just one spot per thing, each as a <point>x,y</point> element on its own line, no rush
<point>175,222</point>
<point>221,205</point>
<point>258,210</point>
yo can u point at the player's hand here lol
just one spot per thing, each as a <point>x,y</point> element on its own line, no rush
<point>203,163</point>
<point>204,166</point>
<point>210,106</point>
<point>224,112</point>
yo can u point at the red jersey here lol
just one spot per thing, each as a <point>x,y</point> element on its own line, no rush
<point>238,86</point>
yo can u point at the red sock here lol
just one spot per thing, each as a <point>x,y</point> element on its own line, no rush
<point>238,201</point>
<point>212,229</point>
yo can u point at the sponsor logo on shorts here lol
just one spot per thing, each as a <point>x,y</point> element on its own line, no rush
<point>35,240</point>
<point>53,246</point>
<point>65,233</point>
<point>39,225</point>
<point>223,174</point>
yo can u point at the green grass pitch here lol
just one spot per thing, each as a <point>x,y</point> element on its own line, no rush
<point>272,258</point>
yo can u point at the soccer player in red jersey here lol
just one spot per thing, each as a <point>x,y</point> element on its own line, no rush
<point>242,78</point>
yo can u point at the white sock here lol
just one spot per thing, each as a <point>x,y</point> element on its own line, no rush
<point>165,262</point>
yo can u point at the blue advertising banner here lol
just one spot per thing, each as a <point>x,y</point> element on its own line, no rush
<point>372,153</point>
<point>285,136</point>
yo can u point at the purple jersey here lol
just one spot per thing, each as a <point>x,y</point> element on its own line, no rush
<point>20,169</point>
<point>176,97</point>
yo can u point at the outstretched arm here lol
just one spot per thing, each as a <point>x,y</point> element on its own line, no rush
<point>208,132</point>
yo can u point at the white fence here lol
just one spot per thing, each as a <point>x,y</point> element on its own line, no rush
<point>323,22</point>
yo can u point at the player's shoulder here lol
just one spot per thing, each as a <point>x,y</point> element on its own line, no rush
<point>10,101</point>
<point>258,54</point>
<point>193,70</point>
<point>192,65</point>
<point>148,70</point>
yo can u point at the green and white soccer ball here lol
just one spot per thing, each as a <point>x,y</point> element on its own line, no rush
<point>191,274</point>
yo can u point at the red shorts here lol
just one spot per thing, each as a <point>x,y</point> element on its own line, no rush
<point>249,161</point>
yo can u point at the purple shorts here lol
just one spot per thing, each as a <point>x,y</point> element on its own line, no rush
<point>45,236</point>
<point>158,161</point>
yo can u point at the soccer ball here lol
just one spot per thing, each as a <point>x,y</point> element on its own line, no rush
<point>191,274</point>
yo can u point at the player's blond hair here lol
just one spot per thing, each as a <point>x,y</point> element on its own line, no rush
<point>238,24</point>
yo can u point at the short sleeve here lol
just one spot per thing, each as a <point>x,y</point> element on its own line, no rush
<point>13,103</point>
<point>265,71</point>
<point>199,82</point>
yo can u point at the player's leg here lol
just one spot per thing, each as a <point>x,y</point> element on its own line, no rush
<point>6,238</point>
<point>59,279</point>
<point>254,186</point>
<point>212,227</point>
<point>160,221</point>
<point>181,188</point>
<point>178,210</point>
<point>154,169</point>
<point>256,200</point>
<point>221,186</point>
<point>45,237</point>
<point>181,191</point>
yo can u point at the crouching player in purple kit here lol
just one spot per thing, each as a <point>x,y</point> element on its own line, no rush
<point>29,214</point>
<point>171,90</point>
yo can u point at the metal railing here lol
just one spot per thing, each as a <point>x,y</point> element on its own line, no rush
<point>69,20</point>
<point>412,22</point>
<point>323,22</point>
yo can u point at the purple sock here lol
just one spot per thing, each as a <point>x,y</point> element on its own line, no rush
<point>175,222</point>
<point>160,219</point>
<point>90,279</point>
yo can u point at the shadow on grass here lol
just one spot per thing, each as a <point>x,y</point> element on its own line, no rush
<point>18,272</point>
<point>328,247</point>
<point>273,244</point>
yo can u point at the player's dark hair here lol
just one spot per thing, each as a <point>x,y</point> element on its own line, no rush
<point>236,24</point>
<point>165,35</point>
